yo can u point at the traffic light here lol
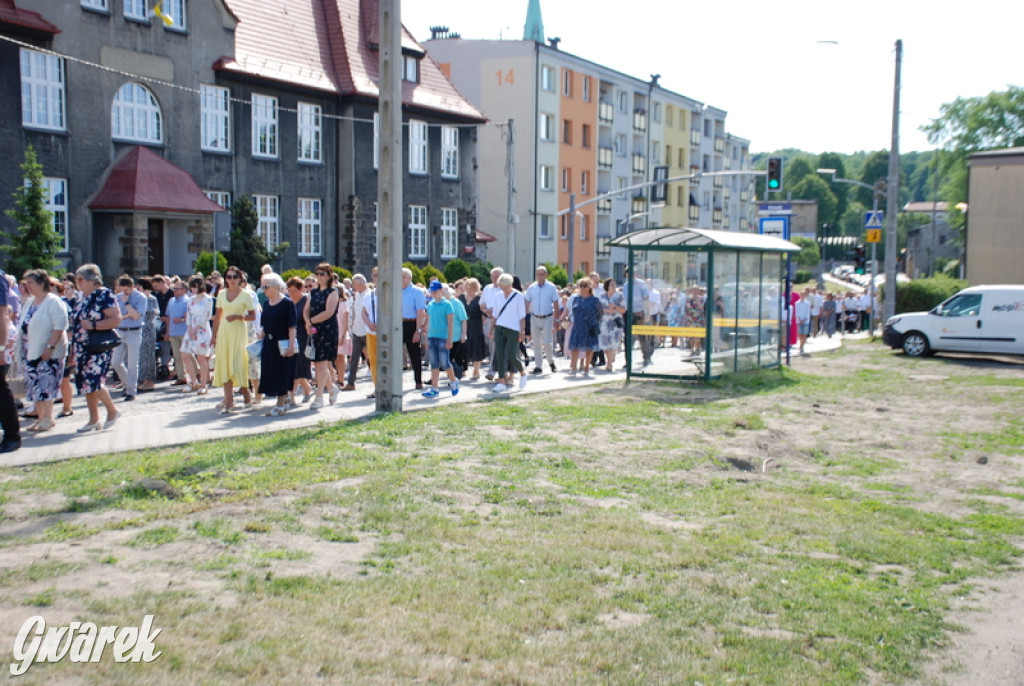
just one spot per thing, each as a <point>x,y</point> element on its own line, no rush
<point>859,259</point>
<point>774,182</point>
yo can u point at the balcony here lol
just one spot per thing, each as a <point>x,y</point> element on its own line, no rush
<point>639,165</point>
<point>694,138</point>
<point>694,214</point>
<point>605,113</point>
<point>640,121</point>
<point>716,217</point>
<point>716,181</point>
<point>719,145</point>
<point>638,205</point>
<point>604,158</point>
<point>604,206</point>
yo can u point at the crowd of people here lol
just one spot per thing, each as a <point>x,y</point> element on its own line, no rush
<point>302,342</point>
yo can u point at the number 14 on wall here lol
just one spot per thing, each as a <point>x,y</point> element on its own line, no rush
<point>504,77</point>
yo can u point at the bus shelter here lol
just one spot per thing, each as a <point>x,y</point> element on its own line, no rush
<point>715,301</point>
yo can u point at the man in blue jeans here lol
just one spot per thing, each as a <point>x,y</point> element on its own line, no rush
<point>440,332</point>
<point>8,411</point>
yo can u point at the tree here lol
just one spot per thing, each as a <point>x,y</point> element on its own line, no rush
<point>35,245</point>
<point>248,251</point>
<point>810,254</point>
<point>833,160</point>
<point>204,263</point>
<point>876,167</point>
<point>557,274</point>
<point>796,170</point>
<point>812,187</point>
<point>456,269</point>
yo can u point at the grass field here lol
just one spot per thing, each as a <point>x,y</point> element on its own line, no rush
<point>782,527</point>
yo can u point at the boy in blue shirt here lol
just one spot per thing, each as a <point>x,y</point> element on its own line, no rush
<point>440,329</point>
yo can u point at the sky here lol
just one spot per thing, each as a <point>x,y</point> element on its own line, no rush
<point>814,75</point>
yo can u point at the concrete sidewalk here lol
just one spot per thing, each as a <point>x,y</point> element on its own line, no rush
<point>167,417</point>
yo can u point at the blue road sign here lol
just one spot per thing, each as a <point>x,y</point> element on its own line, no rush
<point>874,220</point>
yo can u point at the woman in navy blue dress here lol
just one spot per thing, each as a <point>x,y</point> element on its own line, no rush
<point>95,311</point>
<point>586,318</point>
<point>322,325</point>
<point>277,371</point>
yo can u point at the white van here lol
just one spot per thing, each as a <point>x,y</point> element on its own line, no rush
<point>981,319</point>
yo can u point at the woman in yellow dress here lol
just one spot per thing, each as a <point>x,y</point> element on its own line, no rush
<point>235,307</point>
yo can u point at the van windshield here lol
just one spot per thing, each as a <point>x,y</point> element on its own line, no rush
<point>964,305</point>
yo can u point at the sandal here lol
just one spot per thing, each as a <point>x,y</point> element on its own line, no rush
<point>66,414</point>
<point>276,411</point>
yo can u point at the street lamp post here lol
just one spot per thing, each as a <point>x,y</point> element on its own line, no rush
<point>876,191</point>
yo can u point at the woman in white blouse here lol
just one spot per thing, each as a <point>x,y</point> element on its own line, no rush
<point>42,345</point>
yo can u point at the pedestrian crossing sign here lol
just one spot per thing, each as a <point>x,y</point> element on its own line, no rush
<point>874,236</point>
<point>874,219</point>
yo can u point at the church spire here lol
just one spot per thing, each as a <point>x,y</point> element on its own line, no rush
<point>534,28</point>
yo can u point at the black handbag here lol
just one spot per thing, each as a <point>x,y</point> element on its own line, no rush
<point>102,341</point>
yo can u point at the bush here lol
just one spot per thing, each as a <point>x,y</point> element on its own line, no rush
<point>924,294</point>
<point>342,273</point>
<point>417,274</point>
<point>204,263</point>
<point>802,276</point>
<point>810,253</point>
<point>430,272</point>
<point>557,275</point>
<point>301,273</point>
<point>481,271</point>
<point>455,270</point>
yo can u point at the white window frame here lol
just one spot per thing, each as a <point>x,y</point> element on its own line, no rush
<point>222,198</point>
<point>547,126</point>
<point>623,102</point>
<point>376,140</point>
<point>128,116</point>
<point>418,149</point>
<point>100,5</point>
<point>410,69</point>
<point>620,183</point>
<point>42,91</point>
<point>268,208</point>
<point>620,144</point>
<point>566,179</point>
<point>417,231</point>
<point>547,78</point>
<point>215,118</point>
<point>449,233</point>
<point>56,192</point>
<point>134,9</point>
<point>586,89</point>
<point>583,226</point>
<point>264,126</point>
<point>656,112</point>
<point>449,152</point>
<point>310,219</point>
<point>175,10</point>
<point>546,180</point>
<point>584,182</point>
<point>544,226</point>
<point>311,136</point>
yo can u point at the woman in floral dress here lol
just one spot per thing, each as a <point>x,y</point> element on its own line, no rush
<point>322,325</point>
<point>197,347</point>
<point>583,337</point>
<point>95,311</point>
<point>613,303</point>
<point>147,345</point>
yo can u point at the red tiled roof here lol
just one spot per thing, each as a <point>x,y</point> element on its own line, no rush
<point>142,180</point>
<point>33,21</point>
<point>330,45</point>
<point>484,237</point>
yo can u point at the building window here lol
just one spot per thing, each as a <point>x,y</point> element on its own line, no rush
<point>417,147</point>
<point>376,140</point>
<point>582,219</point>
<point>655,151</point>
<point>95,4</point>
<point>668,115</point>
<point>656,112</point>
<point>567,83</point>
<point>623,102</point>
<point>620,144</point>
<point>56,192</point>
<point>411,69</point>
<point>175,11</point>
<point>668,155</point>
<point>310,234</point>
<point>449,152</point>
<point>268,228</point>
<point>417,231</point>
<point>310,133</point>
<point>222,198</point>
<point>547,127</point>
<point>136,115</point>
<point>586,89</point>
<point>621,183</point>
<point>544,226</point>
<point>42,90</point>
<point>563,227</point>
<point>547,78</point>
<point>449,233</point>
<point>135,9</point>
<point>567,132</point>
<point>215,118</point>
<point>264,126</point>
<point>547,178</point>
<point>585,138</point>
<point>585,182</point>
<point>566,179</point>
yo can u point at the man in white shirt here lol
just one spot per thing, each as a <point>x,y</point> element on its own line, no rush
<point>369,317</point>
<point>864,305</point>
<point>542,304</point>
<point>487,297</point>
<point>638,297</point>
<point>357,329</point>
<point>817,300</point>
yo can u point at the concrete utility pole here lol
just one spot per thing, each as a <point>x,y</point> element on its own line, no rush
<point>893,193</point>
<point>389,199</point>
<point>510,172</point>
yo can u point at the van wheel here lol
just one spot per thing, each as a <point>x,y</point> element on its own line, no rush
<point>915,344</point>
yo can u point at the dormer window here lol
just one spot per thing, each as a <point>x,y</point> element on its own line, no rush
<point>411,69</point>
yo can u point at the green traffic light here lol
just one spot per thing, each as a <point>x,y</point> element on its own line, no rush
<point>773,184</point>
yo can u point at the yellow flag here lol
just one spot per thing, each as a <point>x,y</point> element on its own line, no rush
<point>156,10</point>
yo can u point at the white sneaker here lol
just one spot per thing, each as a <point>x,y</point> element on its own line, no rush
<point>522,381</point>
<point>316,404</point>
<point>499,388</point>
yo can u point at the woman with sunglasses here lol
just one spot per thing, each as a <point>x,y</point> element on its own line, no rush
<point>277,322</point>
<point>235,307</point>
<point>322,326</point>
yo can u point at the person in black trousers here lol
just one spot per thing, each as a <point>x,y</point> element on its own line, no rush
<point>8,410</point>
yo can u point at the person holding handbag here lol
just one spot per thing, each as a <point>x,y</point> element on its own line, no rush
<point>235,308</point>
<point>96,311</point>
<point>42,346</point>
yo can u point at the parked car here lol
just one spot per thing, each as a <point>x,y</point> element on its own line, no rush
<point>980,319</point>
